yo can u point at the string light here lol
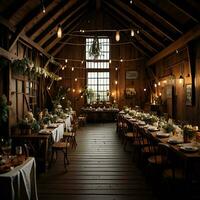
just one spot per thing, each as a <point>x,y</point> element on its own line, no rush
<point>132,33</point>
<point>72,68</point>
<point>131,2</point>
<point>82,61</point>
<point>116,68</point>
<point>80,91</point>
<point>155,85</point>
<point>117,36</point>
<point>110,61</point>
<point>43,7</point>
<point>116,82</point>
<point>145,89</point>
<point>73,90</point>
<point>138,31</point>
<point>59,31</point>
<point>121,60</point>
<point>75,79</point>
<point>66,60</point>
<point>159,83</point>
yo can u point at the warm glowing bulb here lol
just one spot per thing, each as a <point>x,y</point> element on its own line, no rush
<point>160,94</point>
<point>63,67</point>
<point>138,31</point>
<point>110,61</point>
<point>121,60</point>
<point>59,32</point>
<point>116,68</point>
<point>60,78</point>
<point>72,68</point>
<point>82,62</point>
<point>145,89</point>
<point>116,82</point>
<point>63,97</point>
<point>113,93</point>
<point>75,79</point>
<point>155,85</point>
<point>81,96</point>
<point>164,81</point>
<point>49,88</point>
<point>43,9</point>
<point>73,90</point>
<point>66,60</point>
<point>117,36</point>
<point>159,83</point>
<point>132,33</point>
<point>80,91</point>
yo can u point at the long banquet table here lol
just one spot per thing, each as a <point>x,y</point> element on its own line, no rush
<point>190,159</point>
<point>20,183</point>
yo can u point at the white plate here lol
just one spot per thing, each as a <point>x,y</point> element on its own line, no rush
<point>189,148</point>
<point>153,129</point>
<point>161,134</point>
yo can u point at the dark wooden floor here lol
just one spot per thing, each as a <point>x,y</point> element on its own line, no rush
<point>99,170</point>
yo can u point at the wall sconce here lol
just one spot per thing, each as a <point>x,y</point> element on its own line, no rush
<point>117,36</point>
<point>59,31</point>
<point>181,79</point>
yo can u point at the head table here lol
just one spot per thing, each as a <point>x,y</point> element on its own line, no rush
<point>20,183</point>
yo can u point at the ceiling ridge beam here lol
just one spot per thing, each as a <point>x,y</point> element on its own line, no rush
<point>136,24</point>
<point>183,40</point>
<point>49,35</point>
<point>162,16</point>
<point>49,18</point>
<point>145,21</point>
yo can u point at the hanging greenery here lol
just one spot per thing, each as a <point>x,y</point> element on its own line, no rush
<point>26,66</point>
<point>95,49</point>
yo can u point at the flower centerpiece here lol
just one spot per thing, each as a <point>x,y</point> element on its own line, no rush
<point>168,127</point>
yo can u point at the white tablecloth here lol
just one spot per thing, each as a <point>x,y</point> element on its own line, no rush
<point>20,183</point>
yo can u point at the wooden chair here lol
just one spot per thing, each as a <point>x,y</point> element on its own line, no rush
<point>70,136</point>
<point>63,147</point>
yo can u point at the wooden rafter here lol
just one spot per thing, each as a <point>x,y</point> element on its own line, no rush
<point>63,23</point>
<point>57,48</point>
<point>49,19</point>
<point>146,21</point>
<point>140,37</point>
<point>161,15</point>
<point>28,20</point>
<point>6,54</point>
<point>183,40</point>
<point>186,9</point>
<point>13,8</point>
<point>137,24</point>
<point>136,44</point>
<point>56,40</point>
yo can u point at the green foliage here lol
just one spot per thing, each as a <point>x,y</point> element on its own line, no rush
<point>95,50</point>
<point>168,127</point>
<point>188,132</point>
<point>3,109</point>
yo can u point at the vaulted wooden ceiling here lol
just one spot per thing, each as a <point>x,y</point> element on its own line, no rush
<point>161,22</point>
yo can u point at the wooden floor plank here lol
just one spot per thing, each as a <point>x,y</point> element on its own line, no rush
<point>99,169</point>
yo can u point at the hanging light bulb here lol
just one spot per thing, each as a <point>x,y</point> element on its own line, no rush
<point>59,31</point>
<point>66,60</point>
<point>72,68</point>
<point>132,33</point>
<point>110,61</point>
<point>138,31</point>
<point>117,36</point>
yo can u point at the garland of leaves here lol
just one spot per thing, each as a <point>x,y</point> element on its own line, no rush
<point>25,66</point>
<point>95,50</point>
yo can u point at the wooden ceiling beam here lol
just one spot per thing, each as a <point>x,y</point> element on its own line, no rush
<point>48,32</point>
<point>28,19</point>
<point>161,15</point>
<point>183,40</point>
<point>138,25</point>
<point>49,18</point>
<point>186,9</point>
<point>55,50</point>
<point>13,8</point>
<point>146,21</point>
<point>138,36</point>
<point>136,44</point>
<point>6,54</point>
<point>56,39</point>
